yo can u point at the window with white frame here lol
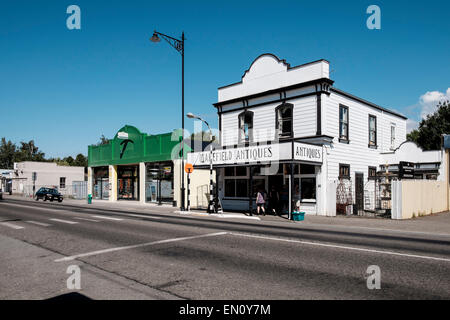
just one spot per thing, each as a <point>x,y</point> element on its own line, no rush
<point>392,136</point>
<point>343,123</point>
<point>284,120</point>
<point>372,131</point>
<point>246,126</point>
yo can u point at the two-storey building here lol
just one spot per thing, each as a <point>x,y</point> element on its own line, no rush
<point>290,129</point>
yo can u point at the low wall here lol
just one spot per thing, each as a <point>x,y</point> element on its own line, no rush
<point>414,198</point>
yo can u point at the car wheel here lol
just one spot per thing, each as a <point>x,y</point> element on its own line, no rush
<point>59,200</point>
<point>36,198</point>
<point>51,199</point>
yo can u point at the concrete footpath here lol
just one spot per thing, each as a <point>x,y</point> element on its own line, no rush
<point>438,223</point>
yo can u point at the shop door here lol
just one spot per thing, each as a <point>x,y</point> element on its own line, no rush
<point>127,189</point>
<point>359,194</point>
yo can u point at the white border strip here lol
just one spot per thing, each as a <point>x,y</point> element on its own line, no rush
<point>11,225</point>
<point>342,247</point>
<point>64,221</point>
<point>138,246</point>
<point>38,223</point>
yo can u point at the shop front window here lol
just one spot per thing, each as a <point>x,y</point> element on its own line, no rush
<point>101,183</point>
<point>159,182</point>
<point>127,183</point>
<point>308,189</point>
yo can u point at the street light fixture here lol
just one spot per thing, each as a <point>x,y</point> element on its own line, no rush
<point>210,205</point>
<point>179,46</point>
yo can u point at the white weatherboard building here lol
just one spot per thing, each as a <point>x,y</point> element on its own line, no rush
<point>319,135</point>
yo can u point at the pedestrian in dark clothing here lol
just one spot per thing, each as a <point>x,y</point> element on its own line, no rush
<point>274,201</point>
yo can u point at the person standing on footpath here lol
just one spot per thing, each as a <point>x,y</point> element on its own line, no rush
<point>260,201</point>
<point>274,200</point>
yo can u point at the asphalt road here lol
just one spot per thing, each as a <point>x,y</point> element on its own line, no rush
<point>162,255</point>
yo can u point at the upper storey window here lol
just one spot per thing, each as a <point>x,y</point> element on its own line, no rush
<point>246,127</point>
<point>372,131</point>
<point>343,123</point>
<point>284,120</point>
<point>392,136</point>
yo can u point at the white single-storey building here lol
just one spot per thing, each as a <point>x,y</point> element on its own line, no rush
<point>289,129</point>
<point>29,176</point>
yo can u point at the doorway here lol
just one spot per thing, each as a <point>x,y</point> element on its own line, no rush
<point>127,183</point>
<point>359,193</point>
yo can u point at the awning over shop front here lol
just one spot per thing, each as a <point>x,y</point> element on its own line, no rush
<point>259,154</point>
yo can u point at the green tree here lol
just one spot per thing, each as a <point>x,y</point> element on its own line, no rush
<point>428,135</point>
<point>80,161</point>
<point>203,136</point>
<point>103,140</point>
<point>28,151</point>
<point>7,154</point>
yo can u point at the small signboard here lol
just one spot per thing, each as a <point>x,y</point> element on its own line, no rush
<point>188,168</point>
<point>122,135</point>
<point>406,170</point>
<point>446,141</point>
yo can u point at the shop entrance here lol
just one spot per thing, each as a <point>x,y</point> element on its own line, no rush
<point>101,183</point>
<point>127,183</point>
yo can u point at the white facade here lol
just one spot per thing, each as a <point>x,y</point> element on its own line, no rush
<point>48,174</point>
<point>355,136</point>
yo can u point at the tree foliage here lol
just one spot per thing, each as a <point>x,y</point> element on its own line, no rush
<point>428,135</point>
<point>28,151</point>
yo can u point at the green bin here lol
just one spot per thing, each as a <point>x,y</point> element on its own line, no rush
<point>89,199</point>
<point>298,216</point>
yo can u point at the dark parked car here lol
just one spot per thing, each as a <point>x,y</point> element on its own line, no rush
<point>48,194</point>
<point>1,194</point>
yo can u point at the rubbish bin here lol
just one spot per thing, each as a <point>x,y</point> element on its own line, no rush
<point>298,216</point>
<point>89,199</point>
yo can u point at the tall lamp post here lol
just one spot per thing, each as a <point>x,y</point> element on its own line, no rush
<point>179,46</point>
<point>210,205</point>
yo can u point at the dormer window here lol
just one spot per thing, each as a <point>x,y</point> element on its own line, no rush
<point>246,127</point>
<point>284,120</point>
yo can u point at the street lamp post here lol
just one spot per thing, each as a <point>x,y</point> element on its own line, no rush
<point>210,205</point>
<point>179,46</point>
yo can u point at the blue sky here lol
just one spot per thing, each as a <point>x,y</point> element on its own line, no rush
<point>65,88</point>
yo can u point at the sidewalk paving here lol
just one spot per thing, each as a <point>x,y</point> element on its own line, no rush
<point>438,223</point>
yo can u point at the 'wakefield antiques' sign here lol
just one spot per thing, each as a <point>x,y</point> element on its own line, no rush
<point>261,153</point>
<point>307,152</point>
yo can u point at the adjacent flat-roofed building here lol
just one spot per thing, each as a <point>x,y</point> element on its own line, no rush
<point>29,176</point>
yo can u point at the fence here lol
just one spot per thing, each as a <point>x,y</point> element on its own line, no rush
<point>413,198</point>
<point>202,197</point>
<point>77,190</point>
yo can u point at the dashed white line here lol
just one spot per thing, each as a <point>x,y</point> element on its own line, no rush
<point>64,221</point>
<point>86,219</point>
<point>107,218</point>
<point>38,223</point>
<point>138,246</point>
<point>11,225</point>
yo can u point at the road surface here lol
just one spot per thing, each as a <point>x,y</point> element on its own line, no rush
<point>164,255</point>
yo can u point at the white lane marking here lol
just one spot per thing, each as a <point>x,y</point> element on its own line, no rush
<point>64,221</point>
<point>107,218</point>
<point>11,225</point>
<point>92,220</point>
<point>34,207</point>
<point>341,247</point>
<point>141,216</point>
<point>38,223</point>
<point>138,246</point>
